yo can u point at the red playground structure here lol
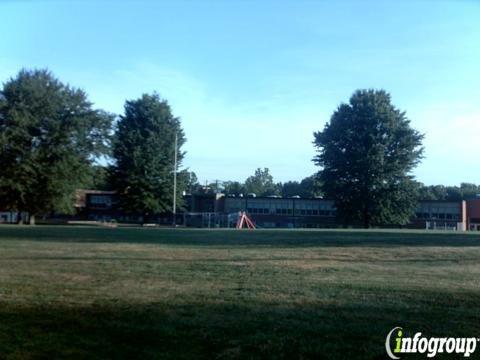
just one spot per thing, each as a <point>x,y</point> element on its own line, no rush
<point>244,220</point>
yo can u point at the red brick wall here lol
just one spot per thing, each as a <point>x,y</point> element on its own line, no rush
<point>473,209</point>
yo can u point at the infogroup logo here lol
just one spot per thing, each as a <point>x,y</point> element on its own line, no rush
<point>432,346</point>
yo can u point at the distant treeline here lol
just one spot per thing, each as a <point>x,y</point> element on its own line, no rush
<point>449,193</point>
<point>262,184</point>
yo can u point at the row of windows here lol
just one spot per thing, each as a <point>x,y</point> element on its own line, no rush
<point>314,206</point>
<point>330,212</point>
<point>439,210</point>
<point>438,216</point>
<point>257,211</point>
<point>317,212</point>
<point>309,212</point>
<point>278,204</point>
<point>290,212</point>
<point>100,199</point>
<point>280,210</point>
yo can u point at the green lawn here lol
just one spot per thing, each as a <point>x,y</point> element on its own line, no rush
<point>79,292</point>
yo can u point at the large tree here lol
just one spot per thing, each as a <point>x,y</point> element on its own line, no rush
<point>143,152</point>
<point>100,179</point>
<point>49,137</point>
<point>189,181</point>
<point>234,188</point>
<point>367,152</point>
<point>307,188</point>
<point>261,183</point>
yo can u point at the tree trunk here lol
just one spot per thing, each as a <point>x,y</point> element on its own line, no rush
<point>31,219</point>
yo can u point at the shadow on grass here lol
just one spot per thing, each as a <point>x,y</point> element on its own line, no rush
<point>218,331</point>
<point>274,238</point>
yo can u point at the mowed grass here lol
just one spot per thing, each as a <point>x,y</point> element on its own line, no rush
<point>98,293</point>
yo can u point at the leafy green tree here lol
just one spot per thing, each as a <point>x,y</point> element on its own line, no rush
<point>214,187</point>
<point>439,192</point>
<point>448,193</point>
<point>143,152</point>
<point>307,188</point>
<point>234,188</point>
<point>469,190</point>
<point>190,181</point>
<point>261,183</point>
<point>432,192</point>
<point>454,193</point>
<point>49,138</point>
<point>311,186</point>
<point>99,178</point>
<point>291,188</point>
<point>367,152</point>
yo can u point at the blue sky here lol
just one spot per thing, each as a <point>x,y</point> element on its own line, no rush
<point>252,80</point>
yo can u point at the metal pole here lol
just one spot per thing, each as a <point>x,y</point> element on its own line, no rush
<point>174,209</point>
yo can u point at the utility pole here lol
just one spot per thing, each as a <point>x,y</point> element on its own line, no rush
<point>174,209</point>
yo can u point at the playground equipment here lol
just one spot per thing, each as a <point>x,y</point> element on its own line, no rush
<point>243,219</point>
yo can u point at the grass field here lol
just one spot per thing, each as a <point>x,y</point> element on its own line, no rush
<point>78,292</point>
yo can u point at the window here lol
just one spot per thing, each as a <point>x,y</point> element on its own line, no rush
<point>100,200</point>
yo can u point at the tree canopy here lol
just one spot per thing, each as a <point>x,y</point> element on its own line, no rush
<point>367,152</point>
<point>449,193</point>
<point>49,137</point>
<point>143,151</point>
<point>189,180</point>
<point>307,188</point>
<point>100,179</point>
<point>261,183</point>
<point>234,188</point>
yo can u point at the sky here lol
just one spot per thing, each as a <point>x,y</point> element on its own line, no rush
<point>253,80</point>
